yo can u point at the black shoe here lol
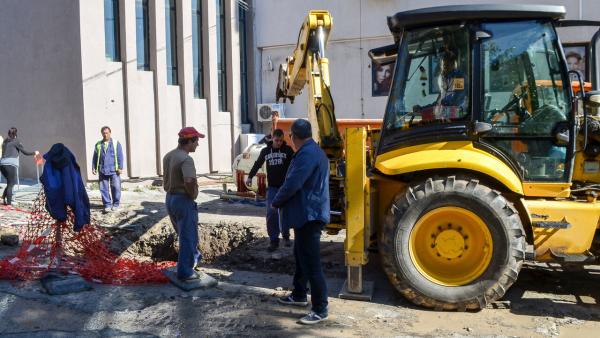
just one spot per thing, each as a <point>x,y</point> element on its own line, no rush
<point>273,246</point>
<point>287,242</point>
<point>289,300</point>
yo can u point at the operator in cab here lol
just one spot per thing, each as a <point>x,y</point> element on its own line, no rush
<point>451,101</point>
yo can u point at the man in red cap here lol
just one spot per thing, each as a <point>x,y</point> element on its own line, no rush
<point>179,181</point>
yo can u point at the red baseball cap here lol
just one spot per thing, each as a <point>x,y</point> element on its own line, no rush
<point>189,132</point>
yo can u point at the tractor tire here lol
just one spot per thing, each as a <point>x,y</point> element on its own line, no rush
<point>452,244</point>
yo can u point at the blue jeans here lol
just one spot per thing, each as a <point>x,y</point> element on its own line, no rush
<point>112,183</point>
<point>274,226</point>
<point>183,212</point>
<point>307,251</point>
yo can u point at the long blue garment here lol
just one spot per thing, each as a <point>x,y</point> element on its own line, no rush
<point>304,195</point>
<point>64,187</point>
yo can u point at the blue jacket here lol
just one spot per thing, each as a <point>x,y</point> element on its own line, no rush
<point>105,164</point>
<point>304,195</point>
<point>64,187</point>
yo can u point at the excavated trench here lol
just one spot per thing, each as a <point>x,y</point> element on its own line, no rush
<point>230,246</point>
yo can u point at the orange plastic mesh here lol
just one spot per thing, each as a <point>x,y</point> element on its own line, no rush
<point>51,245</point>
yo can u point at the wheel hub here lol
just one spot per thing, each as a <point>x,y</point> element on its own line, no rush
<point>450,244</point>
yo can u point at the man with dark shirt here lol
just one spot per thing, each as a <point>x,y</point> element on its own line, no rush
<point>278,156</point>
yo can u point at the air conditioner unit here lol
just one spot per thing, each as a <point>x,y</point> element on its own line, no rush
<point>264,111</point>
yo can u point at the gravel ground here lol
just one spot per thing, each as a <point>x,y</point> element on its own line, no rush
<point>545,301</point>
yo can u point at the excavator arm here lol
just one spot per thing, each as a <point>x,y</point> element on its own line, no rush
<point>308,66</point>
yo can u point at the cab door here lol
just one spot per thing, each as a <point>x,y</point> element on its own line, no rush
<point>526,98</point>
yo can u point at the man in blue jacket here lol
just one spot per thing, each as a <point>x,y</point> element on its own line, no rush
<point>107,162</point>
<point>303,200</point>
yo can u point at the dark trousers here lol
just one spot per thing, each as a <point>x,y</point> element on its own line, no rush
<point>274,226</point>
<point>10,173</point>
<point>110,189</point>
<point>307,252</point>
<point>183,212</point>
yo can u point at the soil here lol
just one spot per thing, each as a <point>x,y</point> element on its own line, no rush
<point>546,301</point>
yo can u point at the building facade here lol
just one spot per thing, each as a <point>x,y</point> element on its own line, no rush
<point>358,26</point>
<point>145,68</point>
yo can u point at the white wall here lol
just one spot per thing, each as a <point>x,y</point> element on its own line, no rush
<point>40,82</point>
<point>358,26</point>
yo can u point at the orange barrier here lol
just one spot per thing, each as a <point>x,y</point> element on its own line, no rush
<point>286,124</point>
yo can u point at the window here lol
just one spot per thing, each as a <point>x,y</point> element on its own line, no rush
<point>111,30</point>
<point>432,86</point>
<point>221,55</point>
<point>142,34</point>
<point>524,98</point>
<point>197,48</point>
<point>242,8</point>
<point>171,41</point>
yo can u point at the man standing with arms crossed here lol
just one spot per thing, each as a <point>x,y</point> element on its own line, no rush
<point>179,181</point>
<point>107,162</point>
<point>303,200</point>
<point>278,156</point>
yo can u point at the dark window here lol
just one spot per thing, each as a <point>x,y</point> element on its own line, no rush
<point>221,55</point>
<point>111,30</point>
<point>142,34</point>
<point>197,48</point>
<point>242,8</point>
<point>171,41</point>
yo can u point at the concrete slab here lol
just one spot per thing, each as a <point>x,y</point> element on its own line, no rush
<point>56,284</point>
<point>205,280</point>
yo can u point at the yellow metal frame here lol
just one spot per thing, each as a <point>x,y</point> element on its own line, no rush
<point>556,190</point>
<point>582,216</point>
<point>357,194</point>
<point>451,246</point>
<point>445,155</point>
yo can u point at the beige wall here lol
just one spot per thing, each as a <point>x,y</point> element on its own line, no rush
<point>358,26</point>
<point>144,112</point>
<point>40,78</point>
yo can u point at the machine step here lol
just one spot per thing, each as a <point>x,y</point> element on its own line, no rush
<point>574,258</point>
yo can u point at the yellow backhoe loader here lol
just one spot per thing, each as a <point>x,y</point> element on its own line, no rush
<point>486,156</point>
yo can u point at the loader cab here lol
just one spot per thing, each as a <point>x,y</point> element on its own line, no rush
<point>494,75</point>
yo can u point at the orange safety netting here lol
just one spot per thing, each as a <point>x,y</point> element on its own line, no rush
<point>48,245</point>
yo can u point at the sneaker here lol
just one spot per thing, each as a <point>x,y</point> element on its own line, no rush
<point>273,246</point>
<point>116,208</point>
<point>313,318</point>
<point>287,242</point>
<point>289,300</point>
<point>107,210</point>
<point>194,276</point>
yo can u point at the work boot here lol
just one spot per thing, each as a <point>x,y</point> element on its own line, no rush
<point>273,246</point>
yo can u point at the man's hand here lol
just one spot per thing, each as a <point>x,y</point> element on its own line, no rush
<point>94,172</point>
<point>190,185</point>
<point>248,182</point>
<point>119,172</point>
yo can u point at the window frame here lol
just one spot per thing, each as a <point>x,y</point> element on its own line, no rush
<point>171,42</point>
<point>143,43</point>
<point>112,44</point>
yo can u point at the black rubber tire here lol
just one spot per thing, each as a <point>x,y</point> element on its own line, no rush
<point>503,223</point>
